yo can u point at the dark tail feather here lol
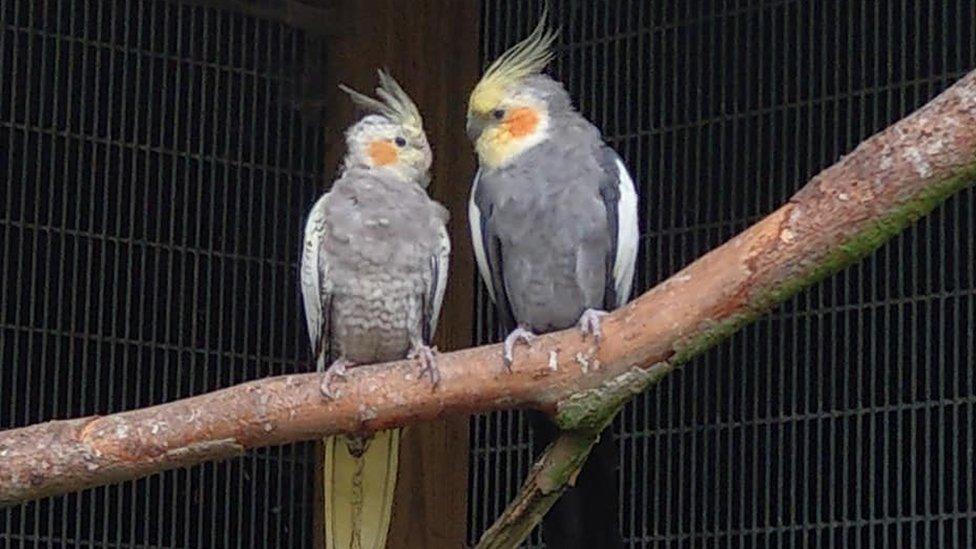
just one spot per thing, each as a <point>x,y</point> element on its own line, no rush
<point>585,517</point>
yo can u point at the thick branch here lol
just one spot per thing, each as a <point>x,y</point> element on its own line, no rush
<point>841,215</point>
<point>904,155</point>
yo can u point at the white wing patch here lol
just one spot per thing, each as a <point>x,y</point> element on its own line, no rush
<point>442,261</point>
<point>314,273</point>
<point>474,221</point>
<point>628,235</point>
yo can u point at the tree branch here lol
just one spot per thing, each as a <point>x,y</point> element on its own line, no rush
<point>841,215</point>
<point>887,183</point>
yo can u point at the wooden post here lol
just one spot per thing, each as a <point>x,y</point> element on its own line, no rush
<point>431,48</point>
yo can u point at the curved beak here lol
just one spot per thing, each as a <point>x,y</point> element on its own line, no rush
<point>474,127</point>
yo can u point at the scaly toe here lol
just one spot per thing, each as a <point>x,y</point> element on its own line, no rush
<point>517,335</point>
<point>428,363</point>
<point>590,324</point>
<point>336,371</point>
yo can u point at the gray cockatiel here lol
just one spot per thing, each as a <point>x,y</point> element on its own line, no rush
<point>553,216</point>
<point>373,273</point>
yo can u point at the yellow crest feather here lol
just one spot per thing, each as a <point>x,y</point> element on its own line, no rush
<point>396,105</point>
<point>528,57</point>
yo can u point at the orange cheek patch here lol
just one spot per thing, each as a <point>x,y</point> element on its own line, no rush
<point>521,122</point>
<point>382,153</point>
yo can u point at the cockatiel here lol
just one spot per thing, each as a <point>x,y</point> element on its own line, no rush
<point>373,273</point>
<point>553,216</point>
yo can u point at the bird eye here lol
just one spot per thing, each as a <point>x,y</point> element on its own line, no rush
<point>498,114</point>
<point>400,142</point>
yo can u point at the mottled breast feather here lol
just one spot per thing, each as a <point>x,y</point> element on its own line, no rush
<point>372,238</point>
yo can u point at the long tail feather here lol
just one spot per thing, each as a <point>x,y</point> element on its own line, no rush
<point>360,478</point>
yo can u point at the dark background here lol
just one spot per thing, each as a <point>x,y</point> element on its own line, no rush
<point>846,418</point>
<point>153,181</point>
<point>153,186</point>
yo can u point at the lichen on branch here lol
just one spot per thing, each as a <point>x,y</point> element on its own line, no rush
<point>842,214</point>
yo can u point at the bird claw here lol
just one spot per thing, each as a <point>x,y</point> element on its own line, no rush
<point>518,334</point>
<point>589,323</point>
<point>428,362</point>
<point>336,371</point>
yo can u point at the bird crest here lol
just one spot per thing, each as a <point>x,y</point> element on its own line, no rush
<point>393,103</point>
<point>528,57</point>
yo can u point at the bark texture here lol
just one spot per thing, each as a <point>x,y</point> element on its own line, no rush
<point>841,215</point>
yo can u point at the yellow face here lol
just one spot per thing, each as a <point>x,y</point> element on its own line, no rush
<point>504,125</point>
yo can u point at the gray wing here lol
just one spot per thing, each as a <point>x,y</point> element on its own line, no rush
<point>487,251</point>
<point>620,200</point>
<point>316,282</point>
<point>439,262</point>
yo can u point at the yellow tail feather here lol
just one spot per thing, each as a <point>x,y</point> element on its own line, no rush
<point>360,478</point>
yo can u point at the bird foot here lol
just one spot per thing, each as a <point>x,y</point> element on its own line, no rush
<point>428,362</point>
<point>589,323</point>
<point>336,371</point>
<point>518,334</point>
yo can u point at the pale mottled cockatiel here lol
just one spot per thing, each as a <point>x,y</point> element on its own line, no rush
<point>553,217</point>
<point>374,268</point>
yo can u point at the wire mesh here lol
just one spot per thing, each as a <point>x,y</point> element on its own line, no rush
<point>153,187</point>
<point>845,418</point>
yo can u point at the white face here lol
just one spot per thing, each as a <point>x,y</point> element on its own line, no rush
<point>375,142</point>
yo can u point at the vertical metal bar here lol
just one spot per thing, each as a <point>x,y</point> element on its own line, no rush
<point>693,160</point>
<point>663,261</point>
<point>910,415</point>
<point>129,332</point>
<point>970,438</point>
<point>633,54</point>
<point>950,387</point>
<point>250,461</point>
<point>194,354</point>
<point>107,283</point>
<point>710,513</point>
<point>306,494</point>
<point>225,334</point>
<point>155,235</point>
<point>96,232</point>
<point>14,389</point>
<point>286,315</point>
<point>734,177</point>
<point>6,214</point>
<point>77,325</point>
<point>179,301</point>
<point>964,476</point>
<point>489,35</point>
<point>215,265</point>
<point>262,317</point>
<point>31,289</point>
<point>147,367</point>
<point>43,287</point>
<point>862,460</point>
<point>68,319</point>
<point>57,321</point>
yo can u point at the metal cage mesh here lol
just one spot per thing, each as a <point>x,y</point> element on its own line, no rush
<point>153,185</point>
<point>848,416</point>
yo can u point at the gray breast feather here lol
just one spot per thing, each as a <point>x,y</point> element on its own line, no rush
<point>555,232</point>
<point>366,240</point>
